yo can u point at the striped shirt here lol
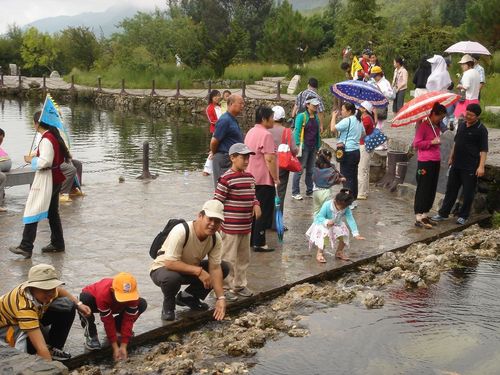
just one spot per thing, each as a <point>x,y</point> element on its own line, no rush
<point>19,308</point>
<point>236,190</point>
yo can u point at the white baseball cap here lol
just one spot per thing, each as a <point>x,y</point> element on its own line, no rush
<point>214,209</point>
<point>279,113</point>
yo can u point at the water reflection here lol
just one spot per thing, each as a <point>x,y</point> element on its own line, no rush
<point>110,143</point>
<point>453,327</point>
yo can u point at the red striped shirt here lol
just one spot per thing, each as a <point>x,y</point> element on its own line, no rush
<point>236,190</point>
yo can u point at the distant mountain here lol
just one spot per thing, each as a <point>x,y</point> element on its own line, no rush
<point>107,20</point>
<point>97,21</point>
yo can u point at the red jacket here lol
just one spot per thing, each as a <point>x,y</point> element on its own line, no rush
<point>57,176</point>
<point>212,116</point>
<point>107,306</point>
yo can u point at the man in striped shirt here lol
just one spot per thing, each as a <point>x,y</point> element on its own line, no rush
<point>236,190</point>
<point>31,306</point>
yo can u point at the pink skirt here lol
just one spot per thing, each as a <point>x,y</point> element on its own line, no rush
<point>461,106</point>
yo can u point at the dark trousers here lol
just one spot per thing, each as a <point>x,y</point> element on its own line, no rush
<point>307,161</point>
<point>459,178</point>
<point>265,195</point>
<point>349,169</point>
<point>56,231</point>
<point>220,164</point>
<point>284,176</point>
<point>58,322</point>
<point>399,101</point>
<point>427,181</point>
<point>170,283</point>
<point>88,322</point>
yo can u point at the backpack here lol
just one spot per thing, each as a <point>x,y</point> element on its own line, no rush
<point>162,236</point>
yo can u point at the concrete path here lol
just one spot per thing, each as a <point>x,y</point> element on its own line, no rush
<point>111,228</point>
<point>59,83</point>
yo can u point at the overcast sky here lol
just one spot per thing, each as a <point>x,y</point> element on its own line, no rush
<point>22,12</point>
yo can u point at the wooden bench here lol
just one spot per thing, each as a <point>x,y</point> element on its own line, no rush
<point>19,176</point>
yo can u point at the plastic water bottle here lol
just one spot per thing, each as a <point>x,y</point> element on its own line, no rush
<point>186,175</point>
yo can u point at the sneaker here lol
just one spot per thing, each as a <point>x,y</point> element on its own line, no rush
<point>52,249</point>
<point>17,250</point>
<point>194,303</point>
<point>438,218</point>
<point>309,194</point>
<point>297,197</point>
<point>230,296</point>
<point>362,197</point>
<point>92,343</point>
<point>461,221</point>
<point>244,292</point>
<point>59,354</point>
<point>168,315</point>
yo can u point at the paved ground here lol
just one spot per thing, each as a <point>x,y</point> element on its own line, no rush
<point>110,230</point>
<point>59,83</point>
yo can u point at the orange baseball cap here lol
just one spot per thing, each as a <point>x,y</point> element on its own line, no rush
<point>125,287</point>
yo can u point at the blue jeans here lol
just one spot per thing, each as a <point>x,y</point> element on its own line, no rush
<point>307,161</point>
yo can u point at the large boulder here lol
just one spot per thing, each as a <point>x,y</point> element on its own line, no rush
<point>13,361</point>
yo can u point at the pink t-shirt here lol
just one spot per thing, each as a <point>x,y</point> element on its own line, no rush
<point>260,141</point>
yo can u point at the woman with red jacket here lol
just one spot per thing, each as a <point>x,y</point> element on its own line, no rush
<point>213,112</point>
<point>365,112</point>
<point>43,199</point>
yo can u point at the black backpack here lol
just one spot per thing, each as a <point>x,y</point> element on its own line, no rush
<point>162,236</point>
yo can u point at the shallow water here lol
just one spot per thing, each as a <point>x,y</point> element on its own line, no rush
<point>110,143</point>
<point>451,327</point>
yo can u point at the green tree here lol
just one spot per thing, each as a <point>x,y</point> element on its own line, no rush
<point>39,51</point>
<point>79,48</point>
<point>187,39</point>
<point>359,24</point>
<point>10,47</point>
<point>482,23</point>
<point>288,37</point>
<point>453,12</point>
<point>150,31</point>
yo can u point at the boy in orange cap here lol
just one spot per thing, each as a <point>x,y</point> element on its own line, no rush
<point>109,297</point>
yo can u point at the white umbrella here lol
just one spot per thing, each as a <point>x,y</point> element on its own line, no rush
<point>471,48</point>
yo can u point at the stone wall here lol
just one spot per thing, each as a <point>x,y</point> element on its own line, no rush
<point>157,106</point>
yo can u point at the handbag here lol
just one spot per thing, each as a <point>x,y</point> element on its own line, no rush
<point>375,139</point>
<point>286,160</point>
<point>340,147</point>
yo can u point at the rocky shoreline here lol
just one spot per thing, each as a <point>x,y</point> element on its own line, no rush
<point>228,347</point>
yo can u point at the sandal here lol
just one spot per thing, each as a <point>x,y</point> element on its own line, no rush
<point>320,258</point>
<point>421,224</point>
<point>426,220</point>
<point>342,256</point>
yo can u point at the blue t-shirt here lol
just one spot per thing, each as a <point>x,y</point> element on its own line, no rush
<point>350,130</point>
<point>227,132</point>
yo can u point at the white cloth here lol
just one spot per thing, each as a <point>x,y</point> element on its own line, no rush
<point>37,206</point>
<point>385,86</point>
<point>471,82</point>
<point>209,166</point>
<point>318,232</point>
<point>439,78</point>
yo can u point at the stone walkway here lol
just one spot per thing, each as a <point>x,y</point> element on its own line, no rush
<point>111,228</point>
<point>60,84</point>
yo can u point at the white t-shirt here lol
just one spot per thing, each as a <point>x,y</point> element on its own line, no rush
<point>194,251</point>
<point>471,82</point>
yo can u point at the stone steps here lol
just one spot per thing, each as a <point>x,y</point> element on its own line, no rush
<point>268,85</point>
<point>263,89</point>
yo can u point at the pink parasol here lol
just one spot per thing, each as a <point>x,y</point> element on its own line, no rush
<point>421,106</point>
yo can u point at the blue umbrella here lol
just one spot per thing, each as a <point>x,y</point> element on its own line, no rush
<point>357,92</point>
<point>280,226</point>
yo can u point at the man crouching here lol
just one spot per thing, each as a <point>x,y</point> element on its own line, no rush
<point>180,261</point>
